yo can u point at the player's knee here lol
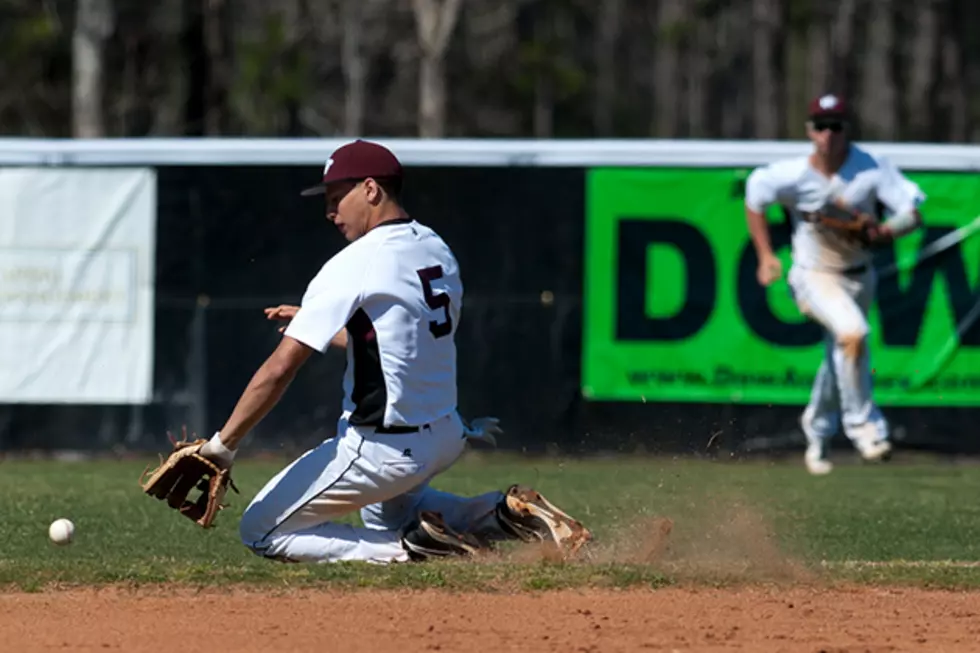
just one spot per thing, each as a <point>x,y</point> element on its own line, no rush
<point>852,343</point>
<point>250,542</point>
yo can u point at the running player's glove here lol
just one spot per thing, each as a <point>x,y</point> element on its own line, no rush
<point>185,469</point>
<point>845,220</point>
<point>482,429</point>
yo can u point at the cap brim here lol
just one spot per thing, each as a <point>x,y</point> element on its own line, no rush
<point>829,115</point>
<point>319,189</point>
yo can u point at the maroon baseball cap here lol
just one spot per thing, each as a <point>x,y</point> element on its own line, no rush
<point>827,106</point>
<point>355,161</point>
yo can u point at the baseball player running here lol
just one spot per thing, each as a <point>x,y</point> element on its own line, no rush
<point>830,198</point>
<point>392,299</point>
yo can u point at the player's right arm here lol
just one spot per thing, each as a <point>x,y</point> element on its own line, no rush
<point>765,186</point>
<point>328,304</point>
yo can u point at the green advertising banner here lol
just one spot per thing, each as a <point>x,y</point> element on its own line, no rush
<point>673,311</point>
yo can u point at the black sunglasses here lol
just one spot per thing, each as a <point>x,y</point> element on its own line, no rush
<point>833,125</point>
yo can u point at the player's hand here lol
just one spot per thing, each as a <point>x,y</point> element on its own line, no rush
<point>483,429</point>
<point>878,233</point>
<point>283,313</point>
<point>770,269</point>
<point>852,223</point>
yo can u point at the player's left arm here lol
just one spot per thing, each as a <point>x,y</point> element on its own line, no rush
<point>765,186</point>
<point>902,197</point>
<point>286,312</point>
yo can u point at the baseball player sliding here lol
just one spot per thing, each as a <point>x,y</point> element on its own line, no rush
<point>830,197</point>
<point>392,299</point>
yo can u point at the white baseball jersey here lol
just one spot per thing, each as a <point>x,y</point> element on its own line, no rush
<point>397,290</point>
<point>862,181</point>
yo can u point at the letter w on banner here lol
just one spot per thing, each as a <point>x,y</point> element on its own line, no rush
<point>77,250</point>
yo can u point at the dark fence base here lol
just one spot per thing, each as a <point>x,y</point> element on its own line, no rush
<point>584,428</point>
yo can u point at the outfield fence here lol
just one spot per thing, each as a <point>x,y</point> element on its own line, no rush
<point>607,301</point>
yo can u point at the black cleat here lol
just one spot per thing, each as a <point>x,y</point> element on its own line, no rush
<point>527,515</point>
<point>431,537</point>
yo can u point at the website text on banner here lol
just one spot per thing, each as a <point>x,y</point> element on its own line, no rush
<point>673,311</point>
<point>76,285</point>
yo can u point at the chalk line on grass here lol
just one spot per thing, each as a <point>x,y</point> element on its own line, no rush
<point>900,564</point>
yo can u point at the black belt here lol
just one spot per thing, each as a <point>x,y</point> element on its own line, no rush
<point>399,429</point>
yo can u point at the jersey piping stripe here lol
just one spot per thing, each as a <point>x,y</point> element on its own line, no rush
<point>357,456</point>
<point>369,392</point>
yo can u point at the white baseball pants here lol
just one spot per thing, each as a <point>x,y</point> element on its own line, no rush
<point>842,390</point>
<point>385,476</point>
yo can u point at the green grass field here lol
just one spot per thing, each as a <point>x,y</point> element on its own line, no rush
<point>733,522</point>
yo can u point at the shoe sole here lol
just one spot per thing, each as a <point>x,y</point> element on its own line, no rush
<point>877,452</point>
<point>817,469</point>
<point>566,532</point>
<point>438,530</point>
<point>428,553</point>
<point>819,466</point>
<point>816,465</point>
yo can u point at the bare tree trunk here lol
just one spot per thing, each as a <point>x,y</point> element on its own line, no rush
<point>544,97</point>
<point>698,72</point>
<point>768,24</point>
<point>93,24</point>
<point>879,99</point>
<point>959,67</point>
<point>218,46</point>
<point>970,47</point>
<point>167,69</point>
<point>604,99</point>
<point>842,46</point>
<point>923,63</point>
<point>728,91</point>
<point>956,98</point>
<point>129,96</point>
<point>297,23</point>
<point>666,87</point>
<point>432,97</point>
<point>490,39</point>
<point>818,54</point>
<point>355,67</point>
<point>196,67</point>
<point>434,20</point>
<point>796,95</point>
<point>549,27</point>
<point>324,27</point>
<point>544,105</point>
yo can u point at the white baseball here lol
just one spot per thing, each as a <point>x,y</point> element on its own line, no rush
<point>61,531</point>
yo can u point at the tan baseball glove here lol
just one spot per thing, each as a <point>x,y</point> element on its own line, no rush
<point>183,470</point>
<point>846,221</point>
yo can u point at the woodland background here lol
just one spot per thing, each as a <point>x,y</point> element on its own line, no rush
<point>486,68</point>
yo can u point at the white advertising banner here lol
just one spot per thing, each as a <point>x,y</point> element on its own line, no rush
<point>77,250</point>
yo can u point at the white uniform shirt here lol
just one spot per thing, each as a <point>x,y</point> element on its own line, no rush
<point>862,181</point>
<point>398,292</point>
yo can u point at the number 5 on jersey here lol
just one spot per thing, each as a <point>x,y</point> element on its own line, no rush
<point>436,300</point>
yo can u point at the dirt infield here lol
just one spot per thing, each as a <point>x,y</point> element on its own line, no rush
<point>674,619</point>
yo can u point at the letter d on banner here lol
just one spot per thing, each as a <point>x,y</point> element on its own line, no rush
<point>638,280</point>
